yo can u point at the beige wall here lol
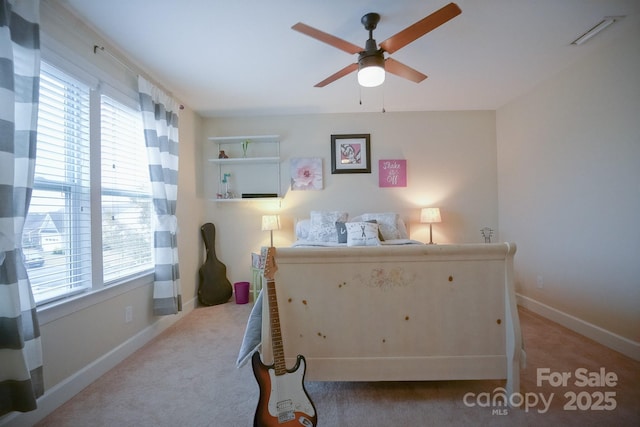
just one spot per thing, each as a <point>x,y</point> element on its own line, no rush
<point>451,161</point>
<point>569,188</point>
<point>73,338</point>
<point>190,208</point>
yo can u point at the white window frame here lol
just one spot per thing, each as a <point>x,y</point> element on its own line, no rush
<point>65,184</point>
<point>98,292</point>
<point>134,193</point>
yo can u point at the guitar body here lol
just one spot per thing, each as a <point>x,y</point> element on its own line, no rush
<point>214,287</point>
<point>283,398</point>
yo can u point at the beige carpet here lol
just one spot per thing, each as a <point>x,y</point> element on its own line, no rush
<point>187,377</point>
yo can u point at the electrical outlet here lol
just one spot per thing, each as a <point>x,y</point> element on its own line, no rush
<point>540,282</point>
<point>128,314</point>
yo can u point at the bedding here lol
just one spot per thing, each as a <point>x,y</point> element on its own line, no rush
<point>311,243</point>
<point>252,334</point>
<point>322,226</point>
<point>331,229</point>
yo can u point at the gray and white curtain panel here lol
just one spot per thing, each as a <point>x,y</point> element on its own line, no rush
<point>160,120</point>
<point>20,347</point>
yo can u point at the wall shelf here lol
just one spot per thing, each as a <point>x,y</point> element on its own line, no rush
<point>239,139</point>
<point>246,160</point>
<point>250,199</point>
<point>257,171</point>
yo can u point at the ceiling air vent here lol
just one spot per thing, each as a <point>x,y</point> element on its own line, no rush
<point>606,22</point>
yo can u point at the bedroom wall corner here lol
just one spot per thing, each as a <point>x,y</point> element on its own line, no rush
<point>568,156</point>
<point>191,203</point>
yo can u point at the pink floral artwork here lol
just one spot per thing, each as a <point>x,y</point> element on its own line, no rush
<point>306,173</point>
<point>392,173</point>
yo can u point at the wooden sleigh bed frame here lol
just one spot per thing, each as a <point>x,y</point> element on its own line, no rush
<point>401,313</point>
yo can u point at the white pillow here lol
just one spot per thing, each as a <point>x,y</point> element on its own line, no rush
<point>362,234</point>
<point>402,229</point>
<point>302,229</point>
<point>323,225</point>
<point>388,223</point>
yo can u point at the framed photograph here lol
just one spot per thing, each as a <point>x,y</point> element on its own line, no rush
<point>392,173</point>
<point>351,153</point>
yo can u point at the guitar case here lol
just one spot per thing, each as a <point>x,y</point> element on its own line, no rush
<point>214,287</point>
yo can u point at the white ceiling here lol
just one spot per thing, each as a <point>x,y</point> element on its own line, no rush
<point>226,58</point>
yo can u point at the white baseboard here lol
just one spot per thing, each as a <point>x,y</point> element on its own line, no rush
<point>602,336</point>
<point>66,389</point>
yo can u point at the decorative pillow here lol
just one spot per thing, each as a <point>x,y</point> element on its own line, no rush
<point>341,229</point>
<point>323,225</point>
<point>302,229</point>
<point>362,234</point>
<point>388,223</point>
<point>402,229</point>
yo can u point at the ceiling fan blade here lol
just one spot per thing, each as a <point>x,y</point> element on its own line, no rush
<point>420,28</point>
<point>327,38</point>
<point>404,71</point>
<point>332,78</point>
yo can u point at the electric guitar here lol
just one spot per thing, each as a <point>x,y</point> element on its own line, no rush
<point>283,398</point>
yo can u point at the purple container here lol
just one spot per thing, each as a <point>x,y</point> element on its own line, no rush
<point>241,290</point>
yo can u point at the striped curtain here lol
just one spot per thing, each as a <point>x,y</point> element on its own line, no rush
<point>20,347</point>
<point>160,120</point>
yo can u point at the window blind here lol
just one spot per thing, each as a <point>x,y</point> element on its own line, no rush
<point>57,233</point>
<point>127,235</point>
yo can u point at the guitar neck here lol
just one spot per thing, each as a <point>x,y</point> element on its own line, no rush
<point>279,364</point>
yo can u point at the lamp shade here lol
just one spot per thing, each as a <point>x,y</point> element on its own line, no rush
<point>430,215</point>
<point>270,222</point>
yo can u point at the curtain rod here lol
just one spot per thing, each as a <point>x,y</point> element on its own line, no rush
<point>101,48</point>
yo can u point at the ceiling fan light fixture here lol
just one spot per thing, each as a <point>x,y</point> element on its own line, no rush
<point>371,62</point>
<point>371,70</point>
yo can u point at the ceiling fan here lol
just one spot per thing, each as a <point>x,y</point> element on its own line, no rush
<point>371,63</point>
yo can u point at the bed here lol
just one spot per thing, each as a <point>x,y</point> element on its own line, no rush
<point>395,312</point>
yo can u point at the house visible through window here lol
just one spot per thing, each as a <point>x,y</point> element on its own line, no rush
<point>61,233</point>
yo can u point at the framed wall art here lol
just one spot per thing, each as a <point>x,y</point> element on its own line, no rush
<point>392,173</point>
<point>351,153</point>
<point>306,173</point>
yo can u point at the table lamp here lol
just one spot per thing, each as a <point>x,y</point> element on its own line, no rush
<point>270,223</point>
<point>430,216</point>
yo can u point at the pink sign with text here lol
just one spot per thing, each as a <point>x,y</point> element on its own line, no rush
<point>392,173</point>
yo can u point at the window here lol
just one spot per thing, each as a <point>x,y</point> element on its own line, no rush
<point>60,232</point>
<point>127,236</point>
<point>57,231</point>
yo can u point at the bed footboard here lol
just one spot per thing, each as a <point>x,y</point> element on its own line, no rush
<point>432,312</point>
